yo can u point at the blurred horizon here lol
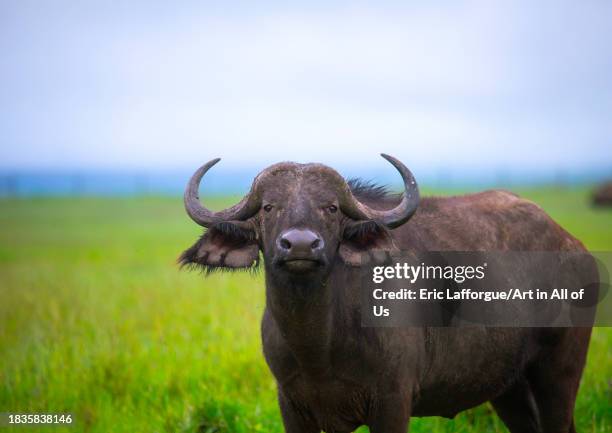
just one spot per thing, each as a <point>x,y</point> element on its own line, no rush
<point>471,92</point>
<point>237,180</point>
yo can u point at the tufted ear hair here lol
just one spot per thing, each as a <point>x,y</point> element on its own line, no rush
<point>225,246</point>
<point>364,238</point>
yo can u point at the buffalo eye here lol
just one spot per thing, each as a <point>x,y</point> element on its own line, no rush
<point>267,207</point>
<point>332,208</point>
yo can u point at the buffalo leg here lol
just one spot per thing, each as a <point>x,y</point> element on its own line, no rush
<point>517,409</point>
<point>392,415</point>
<point>295,420</point>
<point>554,380</point>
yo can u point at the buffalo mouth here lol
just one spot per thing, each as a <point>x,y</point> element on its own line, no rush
<point>300,265</point>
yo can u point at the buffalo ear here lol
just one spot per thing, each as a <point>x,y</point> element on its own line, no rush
<point>223,247</point>
<point>364,242</point>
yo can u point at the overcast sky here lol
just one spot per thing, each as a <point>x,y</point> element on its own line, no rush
<point>144,84</point>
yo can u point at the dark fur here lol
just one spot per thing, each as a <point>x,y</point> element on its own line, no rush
<point>361,230</point>
<point>364,234</point>
<point>334,375</point>
<point>366,190</point>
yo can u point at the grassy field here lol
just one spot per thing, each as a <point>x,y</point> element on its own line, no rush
<point>96,319</point>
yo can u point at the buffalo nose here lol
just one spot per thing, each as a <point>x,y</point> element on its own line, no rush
<point>300,241</point>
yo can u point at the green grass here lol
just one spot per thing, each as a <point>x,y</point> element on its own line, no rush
<point>97,320</point>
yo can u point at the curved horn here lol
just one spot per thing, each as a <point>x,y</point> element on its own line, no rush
<point>246,208</point>
<point>391,218</point>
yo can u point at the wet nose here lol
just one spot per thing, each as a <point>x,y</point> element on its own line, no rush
<point>300,242</point>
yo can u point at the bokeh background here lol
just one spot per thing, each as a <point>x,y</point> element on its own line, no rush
<point>107,107</point>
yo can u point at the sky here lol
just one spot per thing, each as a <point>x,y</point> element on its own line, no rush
<point>160,85</point>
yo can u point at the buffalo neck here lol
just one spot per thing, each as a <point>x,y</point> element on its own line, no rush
<point>302,310</point>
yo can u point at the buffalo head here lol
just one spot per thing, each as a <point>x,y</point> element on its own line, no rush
<point>302,217</point>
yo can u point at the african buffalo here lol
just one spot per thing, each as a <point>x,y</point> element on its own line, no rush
<point>311,227</point>
<point>602,196</point>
